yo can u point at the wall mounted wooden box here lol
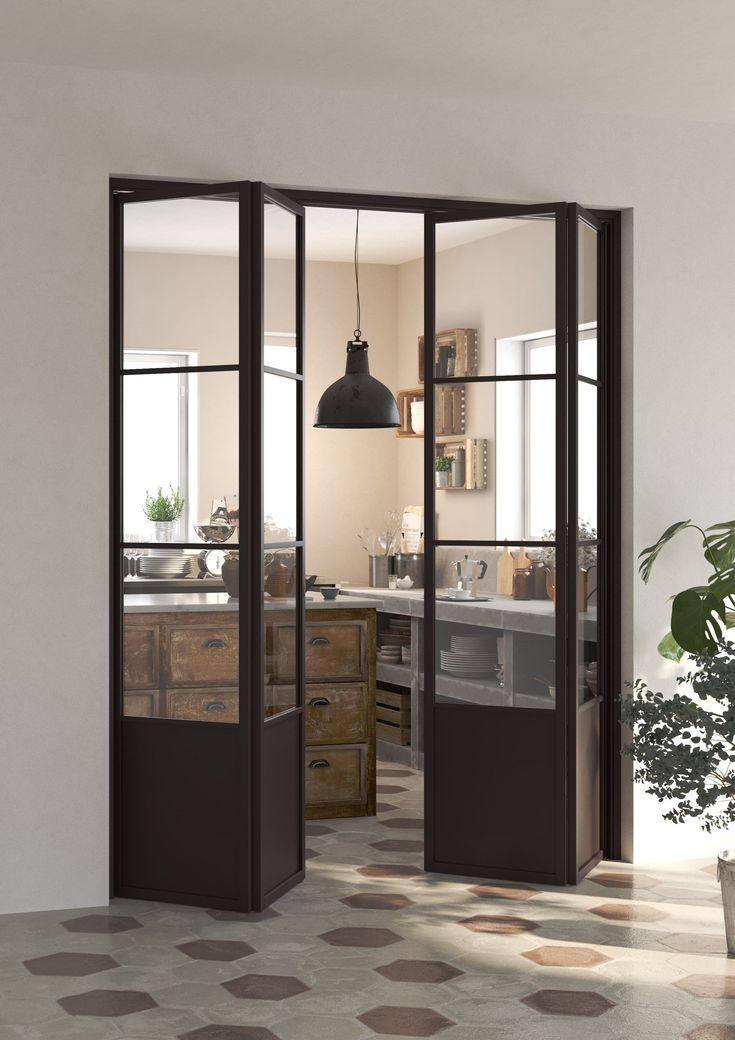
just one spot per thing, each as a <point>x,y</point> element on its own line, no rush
<point>462,344</point>
<point>475,461</point>
<point>449,410</point>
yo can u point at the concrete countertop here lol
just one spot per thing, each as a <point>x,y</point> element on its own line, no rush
<point>164,603</point>
<point>503,612</point>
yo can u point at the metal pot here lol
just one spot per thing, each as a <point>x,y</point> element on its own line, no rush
<point>410,565</point>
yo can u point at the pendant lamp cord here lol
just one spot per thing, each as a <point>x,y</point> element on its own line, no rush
<point>358,332</point>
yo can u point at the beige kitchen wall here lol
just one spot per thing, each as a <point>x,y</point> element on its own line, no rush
<point>185,301</point>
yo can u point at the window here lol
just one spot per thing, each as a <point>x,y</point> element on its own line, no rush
<point>161,450</point>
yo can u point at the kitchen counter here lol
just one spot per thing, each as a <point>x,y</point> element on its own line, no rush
<point>501,612</point>
<point>174,602</point>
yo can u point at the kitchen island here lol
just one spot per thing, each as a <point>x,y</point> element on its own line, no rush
<point>181,661</point>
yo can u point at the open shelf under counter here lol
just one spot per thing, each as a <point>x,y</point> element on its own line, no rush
<point>398,674</point>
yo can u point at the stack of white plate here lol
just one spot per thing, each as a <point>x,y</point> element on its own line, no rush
<point>164,563</point>
<point>471,657</point>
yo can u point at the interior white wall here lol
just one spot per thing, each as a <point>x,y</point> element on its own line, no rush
<point>65,131</point>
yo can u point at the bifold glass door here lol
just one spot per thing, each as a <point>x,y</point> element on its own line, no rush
<point>512,741</point>
<point>206,460</point>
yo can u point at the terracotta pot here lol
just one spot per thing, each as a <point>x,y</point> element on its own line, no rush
<point>231,577</point>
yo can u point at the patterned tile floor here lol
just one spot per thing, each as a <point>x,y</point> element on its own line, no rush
<point>371,946</point>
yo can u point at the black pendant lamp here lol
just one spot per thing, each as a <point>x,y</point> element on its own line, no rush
<point>357,401</point>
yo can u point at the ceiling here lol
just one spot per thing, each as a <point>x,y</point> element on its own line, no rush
<point>210,227</point>
<point>641,57</point>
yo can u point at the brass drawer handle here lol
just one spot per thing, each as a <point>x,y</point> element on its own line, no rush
<point>319,702</point>
<point>319,641</point>
<point>319,763</point>
<point>215,644</point>
<point>215,706</point>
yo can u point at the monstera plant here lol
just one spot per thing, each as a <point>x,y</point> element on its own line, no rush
<point>700,615</point>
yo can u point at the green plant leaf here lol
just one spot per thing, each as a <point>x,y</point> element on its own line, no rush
<point>719,547</point>
<point>648,556</point>
<point>670,649</point>
<point>697,621</point>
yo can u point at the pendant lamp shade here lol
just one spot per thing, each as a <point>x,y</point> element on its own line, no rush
<point>357,401</point>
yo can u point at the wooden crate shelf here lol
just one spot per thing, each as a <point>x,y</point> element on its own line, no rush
<point>393,715</point>
<point>450,417</point>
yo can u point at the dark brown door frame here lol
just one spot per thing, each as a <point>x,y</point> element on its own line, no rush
<point>608,449</point>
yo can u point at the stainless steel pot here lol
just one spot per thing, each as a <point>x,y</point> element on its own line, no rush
<point>410,565</point>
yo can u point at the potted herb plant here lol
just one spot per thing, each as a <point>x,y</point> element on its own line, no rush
<point>443,466</point>
<point>586,560</point>
<point>683,742</point>
<point>163,511</point>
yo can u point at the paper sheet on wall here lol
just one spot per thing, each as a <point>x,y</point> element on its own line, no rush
<point>413,527</point>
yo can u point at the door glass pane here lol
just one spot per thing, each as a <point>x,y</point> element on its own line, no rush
<point>180,435</point>
<point>495,626</point>
<point>281,580</point>
<point>495,466</point>
<point>280,444</point>
<point>180,655</point>
<point>587,486</point>
<point>279,232</point>
<point>587,622</point>
<point>495,281</point>
<point>587,242</point>
<point>181,279</point>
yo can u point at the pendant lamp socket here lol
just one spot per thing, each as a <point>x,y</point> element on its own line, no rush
<point>357,401</point>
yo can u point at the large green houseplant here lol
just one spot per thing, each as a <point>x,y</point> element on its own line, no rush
<point>683,743</point>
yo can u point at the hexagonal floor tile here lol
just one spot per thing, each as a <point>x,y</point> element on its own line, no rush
<point>389,870</point>
<point>711,868</point>
<point>216,949</point>
<point>405,1021</point>
<point>236,915</point>
<point>101,923</point>
<point>368,937</point>
<point>377,901</point>
<point>316,829</point>
<point>611,880</point>
<point>418,971</point>
<point>499,924</point>
<point>107,1003</point>
<point>229,1033</point>
<point>718,986</point>
<point>404,823</point>
<point>70,964</point>
<point>385,807</point>
<point>398,845</point>
<point>265,987</point>
<point>394,772</point>
<point>712,1031</point>
<point>389,789</point>
<point>624,911</point>
<point>311,854</point>
<point>566,956</point>
<point>578,1003</point>
<point>695,942</point>
<point>503,891</point>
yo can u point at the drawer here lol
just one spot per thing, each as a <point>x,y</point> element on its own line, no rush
<point>203,705</point>
<point>141,705</point>
<point>333,651</point>
<point>140,657</point>
<point>336,713</point>
<point>335,775</point>
<point>278,698</point>
<point>199,654</point>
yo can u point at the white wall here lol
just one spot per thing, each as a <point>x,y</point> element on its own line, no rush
<point>65,131</point>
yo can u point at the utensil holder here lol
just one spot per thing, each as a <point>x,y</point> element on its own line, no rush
<point>380,568</point>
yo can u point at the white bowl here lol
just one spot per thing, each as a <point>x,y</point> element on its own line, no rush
<point>404,583</point>
<point>458,593</point>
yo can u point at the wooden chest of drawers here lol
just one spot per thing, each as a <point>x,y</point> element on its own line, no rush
<point>185,666</point>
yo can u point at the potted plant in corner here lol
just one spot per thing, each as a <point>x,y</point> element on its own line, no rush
<point>442,465</point>
<point>163,511</point>
<point>683,742</point>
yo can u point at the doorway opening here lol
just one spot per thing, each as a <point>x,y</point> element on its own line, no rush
<point>466,671</point>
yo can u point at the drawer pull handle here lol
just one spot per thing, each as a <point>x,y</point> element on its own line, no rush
<point>319,763</point>
<point>319,641</point>
<point>319,702</point>
<point>215,706</point>
<point>215,644</point>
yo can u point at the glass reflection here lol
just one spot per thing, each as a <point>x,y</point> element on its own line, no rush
<point>281,575</point>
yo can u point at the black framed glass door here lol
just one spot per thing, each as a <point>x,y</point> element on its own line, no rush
<point>512,734</point>
<point>201,743</point>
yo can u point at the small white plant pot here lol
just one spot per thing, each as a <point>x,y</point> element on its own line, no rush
<point>163,530</point>
<point>442,478</point>
<point>417,416</point>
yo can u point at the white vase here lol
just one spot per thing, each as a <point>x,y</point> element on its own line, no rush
<point>417,416</point>
<point>163,530</point>
<point>442,478</point>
